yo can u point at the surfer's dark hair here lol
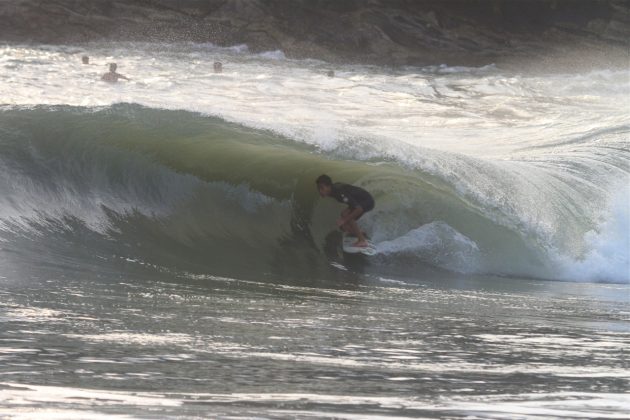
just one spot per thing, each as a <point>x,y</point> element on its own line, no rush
<point>323,180</point>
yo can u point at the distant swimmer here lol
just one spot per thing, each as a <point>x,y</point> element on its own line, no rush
<point>85,59</point>
<point>358,200</point>
<point>330,73</point>
<point>218,67</point>
<point>112,76</point>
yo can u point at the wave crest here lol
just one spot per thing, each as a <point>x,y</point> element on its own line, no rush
<point>200,194</point>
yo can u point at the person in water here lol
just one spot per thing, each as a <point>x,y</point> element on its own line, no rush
<point>85,59</point>
<point>112,76</point>
<point>218,67</point>
<point>358,200</point>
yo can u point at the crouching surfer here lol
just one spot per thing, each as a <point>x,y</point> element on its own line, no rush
<point>358,200</point>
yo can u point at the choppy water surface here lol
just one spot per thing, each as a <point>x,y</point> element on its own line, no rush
<point>86,345</point>
<point>164,253</point>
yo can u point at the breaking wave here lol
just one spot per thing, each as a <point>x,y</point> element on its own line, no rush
<point>184,191</point>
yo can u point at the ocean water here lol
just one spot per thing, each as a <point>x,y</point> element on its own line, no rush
<point>164,252</point>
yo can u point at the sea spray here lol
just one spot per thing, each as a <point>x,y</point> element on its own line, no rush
<point>436,243</point>
<point>607,248</point>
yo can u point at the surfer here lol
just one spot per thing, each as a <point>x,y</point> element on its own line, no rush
<point>358,200</point>
<point>112,76</point>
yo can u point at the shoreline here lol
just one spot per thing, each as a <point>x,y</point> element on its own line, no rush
<point>394,33</point>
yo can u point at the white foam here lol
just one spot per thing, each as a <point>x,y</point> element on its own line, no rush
<point>25,401</point>
<point>435,243</point>
<point>608,247</point>
<point>480,112</point>
<point>272,55</point>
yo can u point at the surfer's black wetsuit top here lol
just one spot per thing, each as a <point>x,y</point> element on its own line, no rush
<point>352,196</point>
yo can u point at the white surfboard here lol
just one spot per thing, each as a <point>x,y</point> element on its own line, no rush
<point>348,241</point>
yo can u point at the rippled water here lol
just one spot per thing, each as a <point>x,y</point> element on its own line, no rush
<point>89,344</point>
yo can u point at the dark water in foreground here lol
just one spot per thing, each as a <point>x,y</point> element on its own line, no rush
<point>76,344</point>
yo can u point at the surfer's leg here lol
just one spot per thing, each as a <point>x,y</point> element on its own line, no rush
<point>344,213</point>
<point>366,207</point>
<point>354,230</point>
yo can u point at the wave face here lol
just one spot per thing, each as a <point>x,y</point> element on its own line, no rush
<point>473,170</point>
